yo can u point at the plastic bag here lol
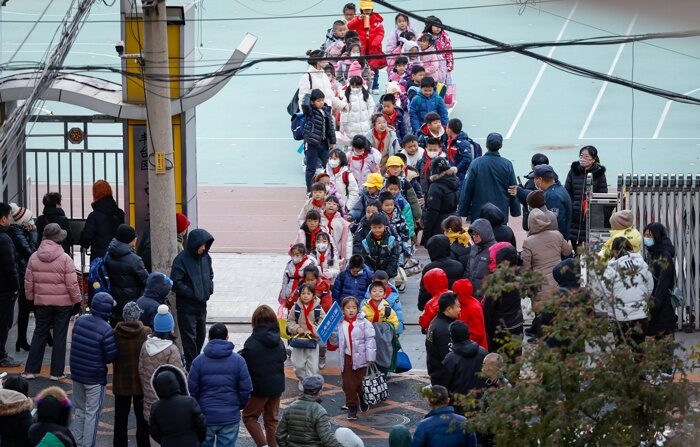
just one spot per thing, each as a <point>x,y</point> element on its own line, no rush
<point>282,321</point>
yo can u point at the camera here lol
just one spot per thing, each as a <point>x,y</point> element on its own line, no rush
<point>119,46</point>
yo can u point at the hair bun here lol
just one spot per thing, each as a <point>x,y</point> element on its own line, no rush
<point>163,309</point>
<point>308,52</point>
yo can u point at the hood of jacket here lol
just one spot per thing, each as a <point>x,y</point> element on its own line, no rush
<point>118,249</point>
<point>538,221</point>
<point>52,211</point>
<point>425,130</point>
<point>483,228</point>
<point>129,329</point>
<point>13,402</point>
<point>267,334</point>
<point>400,437</point>
<point>155,345</point>
<point>566,275</point>
<point>158,286</point>
<point>49,251</point>
<point>53,406</point>
<point>633,258</point>
<point>106,205</point>
<point>102,305</point>
<point>467,349</point>
<point>168,381</point>
<point>196,238</point>
<point>493,214</point>
<point>448,177</point>
<point>662,243</point>
<point>597,169</point>
<point>218,349</point>
<point>464,289</point>
<point>435,281</point>
<point>438,247</point>
<point>493,253</point>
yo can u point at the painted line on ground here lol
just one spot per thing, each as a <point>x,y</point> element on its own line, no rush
<point>604,86</point>
<point>667,107</point>
<point>642,138</point>
<point>538,78</point>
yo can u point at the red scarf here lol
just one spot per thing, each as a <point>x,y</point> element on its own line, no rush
<point>335,170</point>
<point>375,318</point>
<point>317,204</point>
<point>351,325</point>
<point>330,221</point>
<point>391,119</point>
<point>426,168</point>
<point>321,258</point>
<point>296,277</point>
<point>311,237</point>
<point>387,291</point>
<point>451,151</point>
<point>361,158</point>
<point>308,310</point>
<point>380,137</point>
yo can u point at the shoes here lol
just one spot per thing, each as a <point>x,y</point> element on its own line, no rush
<point>9,362</point>
<point>344,408</point>
<point>22,346</point>
<point>58,378</point>
<point>321,362</point>
<point>352,413</point>
<point>28,376</point>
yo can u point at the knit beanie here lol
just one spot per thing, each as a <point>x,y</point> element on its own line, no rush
<point>132,311</point>
<point>55,233</point>
<point>536,199</point>
<point>100,190</point>
<point>125,233</point>
<point>182,223</point>
<point>20,215</point>
<point>459,331</point>
<point>621,220</point>
<point>355,70</point>
<point>163,321</point>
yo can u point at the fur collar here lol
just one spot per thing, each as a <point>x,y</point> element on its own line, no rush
<point>451,171</point>
<point>13,402</point>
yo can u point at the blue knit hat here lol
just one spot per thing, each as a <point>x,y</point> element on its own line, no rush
<point>163,321</point>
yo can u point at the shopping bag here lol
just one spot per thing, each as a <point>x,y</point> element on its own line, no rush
<point>403,362</point>
<point>450,95</point>
<point>303,342</point>
<point>282,321</point>
<point>374,387</point>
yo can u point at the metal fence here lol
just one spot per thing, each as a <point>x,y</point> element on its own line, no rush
<point>673,200</point>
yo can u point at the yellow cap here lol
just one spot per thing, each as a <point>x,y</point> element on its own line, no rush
<point>394,161</point>
<point>366,4</point>
<point>374,180</point>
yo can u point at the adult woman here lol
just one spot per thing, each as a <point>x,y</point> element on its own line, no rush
<point>265,355</point>
<point>660,252</point>
<point>101,224</point>
<point>316,78</point>
<point>459,239</point>
<point>588,163</point>
<point>51,283</point>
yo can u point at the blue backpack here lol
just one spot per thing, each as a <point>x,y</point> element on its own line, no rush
<point>476,148</point>
<point>98,276</point>
<point>298,124</point>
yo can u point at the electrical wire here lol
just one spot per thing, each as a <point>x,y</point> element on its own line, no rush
<point>632,115</point>
<point>31,30</point>
<point>281,15</point>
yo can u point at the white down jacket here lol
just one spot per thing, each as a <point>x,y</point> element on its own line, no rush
<point>356,117</point>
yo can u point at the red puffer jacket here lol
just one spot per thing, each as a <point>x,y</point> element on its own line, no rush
<point>370,39</point>
<point>471,312</point>
<point>51,279</point>
<point>435,281</point>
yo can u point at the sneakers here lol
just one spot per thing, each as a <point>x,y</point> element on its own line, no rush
<point>58,378</point>
<point>9,362</point>
<point>344,408</point>
<point>321,362</point>
<point>352,414</point>
<point>28,376</point>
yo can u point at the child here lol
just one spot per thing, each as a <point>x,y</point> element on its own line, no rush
<point>319,133</point>
<point>356,117</point>
<point>92,348</point>
<point>327,256</point>
<point>329,187</point>
<point>434,65</point>
<point>336,88</point>
<point>433,151</point>
<point>377,309</point>
<point>354,63</point>
<point>53,411</point>
<point>432,128</point>
<point>370,191</point>
<point>398,73</point>
<point>391,295</point>
<point>158,286</point>
<point>362,228</point>
<point>335,40</point>
<point>397,224</point>
<point>344,180</point>
<point>371,32</point>
<point>394,116</point>
<point>393,44</point>
<point>15,411</point>
<point>310,229</point>
<point>425,102</point>
<point>393,186</point>
<point>364,159</point>
<point>315,202</point>
<point>383,138</point>
<point>349,12</point>
<point>459,150</point>
<point>433,26</point>
<point>302,322</point>
<point>462,365</point>
<point>357,349</point>
<point>380,249</point>
<point>130,335</point>
<point>339,229</point>
<point>292,273</point>
<point>353,281</point>
<point>411,49</point>
<point>413,83</point>
<point>411,150</point>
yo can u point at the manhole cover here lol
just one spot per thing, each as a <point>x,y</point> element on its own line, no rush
<point>380,420</point>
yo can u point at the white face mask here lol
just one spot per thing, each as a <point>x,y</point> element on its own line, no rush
<point>297,259</point>
<point>333,162</point>
<point>321,246</point>
<point>432,154</point>
<point>358,152</point>
<point>355,54</point>
<point>355,89</point>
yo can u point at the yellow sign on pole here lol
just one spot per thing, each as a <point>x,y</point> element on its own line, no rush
<point>160,163</point>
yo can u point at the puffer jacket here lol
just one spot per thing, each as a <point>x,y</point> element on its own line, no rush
<point>435,282</point>
<point>505,311</point>
<point>15,418</point>
<point>305,423</point>
<point>93,345</point>
<point>662,315</point>
<point>382,316</point>
<point>631,234</point>
<point>443,427</point>
<point>339,228</point>
<point>391,144</point>
<point>25,245</point>
<point>52,416</point>
<point>625,288</point>
<point>192,273</point>
<point>479,255</point>
<point>361,166</point>
<point>220,382</point>
<point>320,126</point>
<point>437,346</point>
<point>371,39</point>
<point>439,250</point>
<point>501,231</point>
<point>346,186</point>
<point>265,354</point>
<point>315,78</point>
<point>9,279</point>
<point>101,226</point>
<point>127,275</point>
<point>421,105</point>
<point>50,279</point>
<point>459,153</point>
<point>364,345</point>
<point>440,203</point>
<point>382,254</point>
<point>576,187</point>
<point>158,286</point>
<point>348,285</point>
<point>154,353</point>
<point>472,312</point>
<point>292,276</point>
<point>543,250</point>
<point>444,43</point>
<point>393,297</point>
<point>434,64</point>
<point>358,211</point>
<point>130,337</point>
<point>356,118</point>
<point>58,216</point>
<point>296,319</point>
<point>462,367</point>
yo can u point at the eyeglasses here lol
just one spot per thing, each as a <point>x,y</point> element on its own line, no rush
<point>585,157</point>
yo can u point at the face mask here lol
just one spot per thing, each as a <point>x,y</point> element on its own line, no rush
<point>355,89</point>
<point>585,162</point>
<point>297,259</point>
<point>355,54</point>
<point>333,162</point>
<point>358,152</point>
<point>648,241</point>
<point>432,154</point>
<point>321,246</point>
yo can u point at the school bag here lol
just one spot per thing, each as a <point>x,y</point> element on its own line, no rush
<point>98,275</point>
<point>298,123</point>
<point>293,106</point>
<point>476,148</point>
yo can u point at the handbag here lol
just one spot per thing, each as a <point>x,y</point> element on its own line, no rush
<point>293,106</point>
<point>403,362</point>
<point>374,387</point>
<point>303,342</point>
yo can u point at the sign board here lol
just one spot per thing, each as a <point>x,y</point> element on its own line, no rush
<point>330,322</point>
<point>140,165</point>
<point>75,135</point>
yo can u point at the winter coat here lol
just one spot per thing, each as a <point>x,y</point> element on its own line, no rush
<point>328,262</point>
<point>356,117</point>
<point>363,165</point>
<point>459,153</point>
<point>462,367</point>
<point>127,275</point>
<point>479,255</point>
<point>154,295</point>
<point>412,160</point>
<point>440,203</point>
<point>308,206</point>
<point>346,186</point>
<point>265,354</point>
<point>625,288</point>
<point>25,245</point>
<point>439,251</point>
<point>15,418</point>
<point>364,346</point>
<point>348,285</point>
<point>434,64</point>
<point>391,144</point>
<point>501,231</point>
<point>557,201</point>
<point>487,180</point>
<point>460,252</point>
<point>130,337</point>
<point>296,320</point>
<point>220,382</point>
<point>339,229</point>
<point>304,236</point>
<point>52,416</point>
<point>543,250</point>
<point>292,276</point>
<point>576,187</point>
<point>437,346</point>
<point>385,316</point>
<point>319,128</point>
<point>472,312</point>
<point>382,254</point>
<point>504,312</point>
<point>425,134</point>
<point>361,231</point>
<point>397,122</point>
<point>522,193</point>
<point>92,344</point>
<point>192,273</point>
<point>631,234</point>
<point>176,418</point>
<point>662,315</point>
<point>358,211</point>
<point>101,226</point>
<point>421,105</point>
<point>9,278</point>
<point>435,283</point>
<point>305,423</point>
<point>444,428</point>
<point>50,279</point>
<point>370,39</point>
<point>444,43</point>
<point>154,353</point>
<point>317,79</point>
<point>57,216</point>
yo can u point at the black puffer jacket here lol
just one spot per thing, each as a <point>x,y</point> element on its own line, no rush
<point>15,418</point>
<point>192,273</point>
<point>462,366</point>
<point>441,202</point>
<point>439,251</point>
<point>127,275</point>
<point>25,245</point>
<point>158,286</point>
<point>662,316</point>
<point>320,127</point>
<point>101,226</point>
<point>495,216</point>
<point>460,252</point>
<point>9,280</point>
<point>58,216</point>
<point>479,256</point>
<point>576,187</point>
<point>264,353</point>
<point>437,346</point>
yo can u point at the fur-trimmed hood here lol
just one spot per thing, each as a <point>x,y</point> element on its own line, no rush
<point>53,406</point>
<point>451,171</point>
<point>167,385</point>
<point>13,402</point>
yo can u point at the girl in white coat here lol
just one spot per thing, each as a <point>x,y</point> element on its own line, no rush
<point>339,229</point>
<point>316,78</point>
<point>343,180</point>
<point>356,117</point>
<point>326,254</point>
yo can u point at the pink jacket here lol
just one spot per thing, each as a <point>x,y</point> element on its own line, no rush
<point>51,279</point>
<point>364,345</point>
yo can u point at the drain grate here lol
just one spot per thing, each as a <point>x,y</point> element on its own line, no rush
<point>379,421</point>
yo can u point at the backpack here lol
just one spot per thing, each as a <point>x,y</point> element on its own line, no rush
<point>297,313</point>
<point>476,148</point>
<point>293,106</point>
<point>298,124</point>
<point>98,275</point>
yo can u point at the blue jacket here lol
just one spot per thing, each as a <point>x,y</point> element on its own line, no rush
<point>220,382</point>
<point>442,427</point>
<point>422,105</point>
<point>487,180</point>
<point>459,153</point>
<point>394,302</point>
<point>93,345</point>
<point>192,274</point>
<point>558,201</point>
<point>347,285</point>
<point>158,286</point>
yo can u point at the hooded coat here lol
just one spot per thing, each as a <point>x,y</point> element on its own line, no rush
<point>364,345</point>
<point>370,39</point>
<point>435,282</point>
<point>443,427</point>
<point>421,105</point>
<point>440,202</point>
<point>52,416</point>
<point>661,260</point>
<point>505,311</point>
<point>479,255</point>
<point>50,279</point>
<point>382,254</point>
<point>57,216</point>
<point>130,337</point>
<point>127,275</point>
<point>346,187</point>
<point>462,366</point>
<point>439,251</point>
<point>625,288</point>
<point>471,312</point>
<point>356,118</point>
<point>576,187</point>
<point>265,354</point>
<point>158,286</point>
<point>501,231</point>
<point>348,285</point>
<point>15,418</point>
<point>24,246</point>
<point>543,250</point>
<point>9,279</point>
<point>176,418</point>
<point>154,353</point>
<point>192,273</point>
<point>487,181</point>
<point>101,226</point>
<point>92,343</point>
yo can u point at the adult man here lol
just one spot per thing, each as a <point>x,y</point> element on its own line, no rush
<point>437,340</point>
<point>487,180</point>
<point>127,274</point>
<point>305,422</point>
<point>9,284</point>
<point>441,426</point>
<point>53,213</point>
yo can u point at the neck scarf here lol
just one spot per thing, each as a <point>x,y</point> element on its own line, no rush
<point>336,170</point>
<point>321,258</point>
<point>461,237</point>
<point>307,311</point>
<point>375,318</point>
<point>387,291</point>
<point>351,325</point>
<point>296,278</point>
<point>391,119</point>
<point>311,237</point>
<point>451,151</point>
<point>330,218</point>
<point>318,204</point>
<point>381,139</point>
<point>426,168</point>
<point>361,159</point>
